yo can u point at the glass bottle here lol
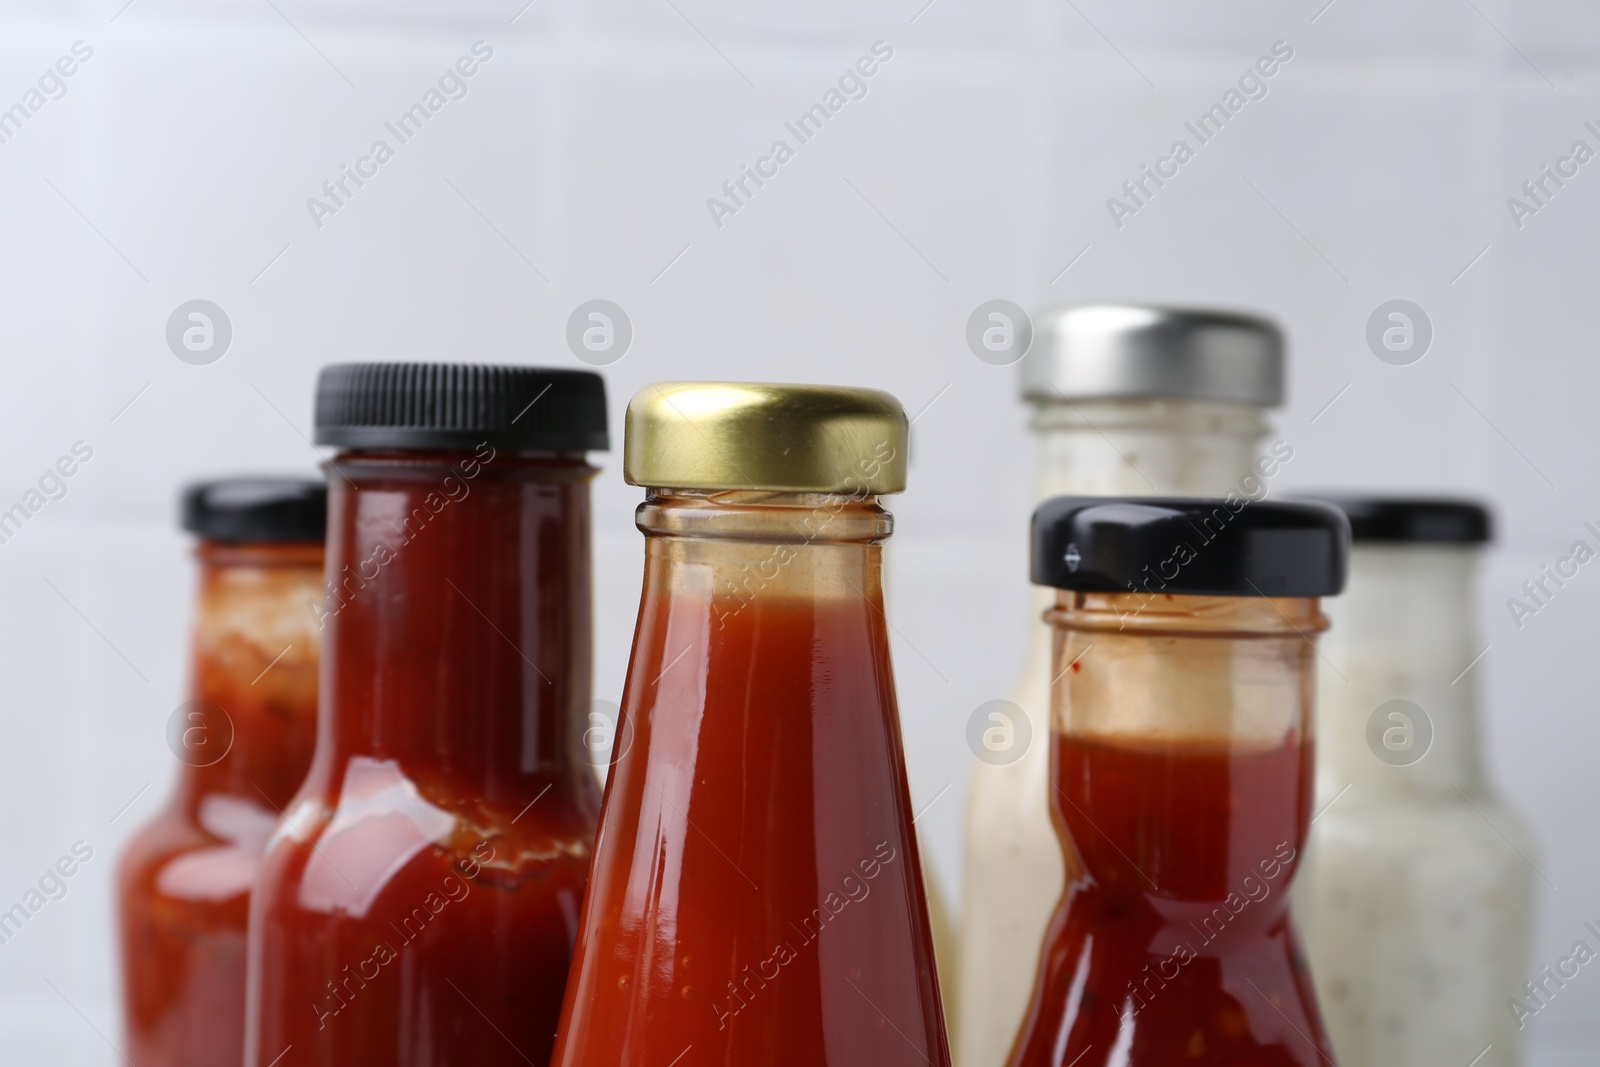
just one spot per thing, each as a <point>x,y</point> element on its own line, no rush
<point>1182,780</point>
<point>1418,899</point>
<point>756,894</point>
<point>417,907</point>
<point>1126,401</point>
<point>244,740</point>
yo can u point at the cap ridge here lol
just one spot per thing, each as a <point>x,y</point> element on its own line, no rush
<point>460,405</point>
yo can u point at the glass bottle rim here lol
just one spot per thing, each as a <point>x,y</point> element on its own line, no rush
<point>764,516</point>
<point>1187,615</point>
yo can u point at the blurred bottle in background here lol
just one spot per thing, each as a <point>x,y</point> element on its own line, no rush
<point>1416,905</point>
<point>245,740</point>
<point>1126,400</point>
<point>419,902</point>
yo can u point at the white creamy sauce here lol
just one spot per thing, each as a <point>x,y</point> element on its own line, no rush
<point>1417,896</point>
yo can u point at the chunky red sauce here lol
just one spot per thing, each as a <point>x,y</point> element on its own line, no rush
<point>756,896</point>
<point>184,881</point>
<point>1173,945</point>
<point>419,907</point>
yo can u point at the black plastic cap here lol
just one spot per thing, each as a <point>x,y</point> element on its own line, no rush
<point>1412,520</point>
<point>460,406</point>
<point>257,510</point>
<point>1190,546</point>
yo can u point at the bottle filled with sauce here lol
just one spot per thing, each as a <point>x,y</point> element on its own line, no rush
<point>1418,895</point>
<point>756,894</point>
<point>419,903</point>
<point>1181,779</point>
<point>244,741</point>
<point>1126,401</point>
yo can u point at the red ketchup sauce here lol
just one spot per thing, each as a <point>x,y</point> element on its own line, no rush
<point>418,907</point>
<point>183,883</point>
<point>1173,945</point>
<point>756,896</point>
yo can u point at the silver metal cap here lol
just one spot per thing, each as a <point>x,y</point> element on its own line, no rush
<point>1128,351</point>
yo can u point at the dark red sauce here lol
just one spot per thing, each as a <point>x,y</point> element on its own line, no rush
<point>420,905</point>
<point>1173,943</point>
<point>756,894</point>
<point>184,880</point>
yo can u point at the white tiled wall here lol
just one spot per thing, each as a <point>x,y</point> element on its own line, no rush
<point>178,164</point>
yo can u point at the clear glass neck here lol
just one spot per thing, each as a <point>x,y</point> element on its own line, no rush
<point>740,545</point>
<point>1140,670</point>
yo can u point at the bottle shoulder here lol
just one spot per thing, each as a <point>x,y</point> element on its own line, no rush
<point>1424,830</point>
<point>198,855</point>
<point>346,841</point>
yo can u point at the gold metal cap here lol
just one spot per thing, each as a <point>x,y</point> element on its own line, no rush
<point>765,436</point>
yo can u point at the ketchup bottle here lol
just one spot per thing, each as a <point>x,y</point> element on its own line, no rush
<point>1125,400</point>
<point>418,906</point>
<point>244,739</point>
<point>756,896</point>
<point>1182,777</point>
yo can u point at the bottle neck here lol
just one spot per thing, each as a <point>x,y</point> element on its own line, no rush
<point>729,573</point>
<point>745,545</point>
<point>1403,630</point>
<point>457,620</point>
<point>1148,447</point>
<point>250,728</point>
<point>1155,668</point>
<point>1182,734</point>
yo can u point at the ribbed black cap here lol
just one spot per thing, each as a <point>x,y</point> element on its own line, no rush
<point>459,405</point>
<point>1193,546</point>
<point>1412,520</point>
<point>256,510</point>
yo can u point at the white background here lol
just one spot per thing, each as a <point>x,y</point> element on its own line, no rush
<point>178,167</point>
